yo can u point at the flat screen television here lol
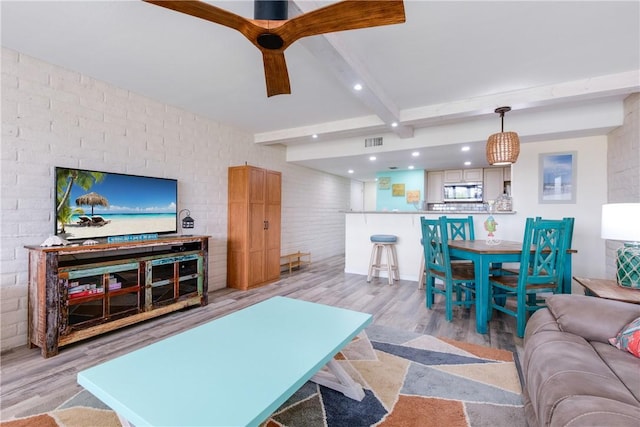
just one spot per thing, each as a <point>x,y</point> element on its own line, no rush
<point>93,204</point>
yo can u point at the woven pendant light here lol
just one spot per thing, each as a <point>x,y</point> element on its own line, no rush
<point>503,148</point>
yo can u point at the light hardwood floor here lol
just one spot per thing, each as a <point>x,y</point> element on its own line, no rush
<point>31,384</point>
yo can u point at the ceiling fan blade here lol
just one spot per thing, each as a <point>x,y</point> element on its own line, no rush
<point>275,72</point>
<point>273,37</point>
<point>211,13</point>
<point>345,15</point>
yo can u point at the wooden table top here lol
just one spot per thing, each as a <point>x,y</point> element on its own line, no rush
<point>481,246</point>
<point>609,289</point>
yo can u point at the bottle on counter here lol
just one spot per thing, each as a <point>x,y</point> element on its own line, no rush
<point>504,203</point>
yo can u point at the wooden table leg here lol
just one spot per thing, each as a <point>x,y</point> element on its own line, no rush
<point>338,379</point>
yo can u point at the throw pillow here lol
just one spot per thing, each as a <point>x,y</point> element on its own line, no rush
<point>629,338</point>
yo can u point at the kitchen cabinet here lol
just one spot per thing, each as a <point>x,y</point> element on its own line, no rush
<point>453,175</point>
<point>253,246</point>
<point>77,292</point>
<point>472,175</point>
<point>435,180</point>
<point>507,173</point>
<point>493,183</point>
<point>462,175</point>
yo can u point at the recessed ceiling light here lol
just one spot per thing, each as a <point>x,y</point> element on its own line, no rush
<point>415,153</point>
<point>411,166</point>
<point>351,171</point>
<point>467,163</point>
<point>372,158</point>
<point>357,86</point>
<point>394,124</point>
<point>465,148</point>
<point>314,136</point>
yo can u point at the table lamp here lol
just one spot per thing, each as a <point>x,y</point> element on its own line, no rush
<point>621,221</point>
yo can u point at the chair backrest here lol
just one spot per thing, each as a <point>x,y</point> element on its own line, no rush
<point>436,248</point>
<point>550,239</point>
<point>570,221</point>
<point>460,228</point>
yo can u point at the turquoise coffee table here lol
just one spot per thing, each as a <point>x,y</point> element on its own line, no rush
<point>233,371</point>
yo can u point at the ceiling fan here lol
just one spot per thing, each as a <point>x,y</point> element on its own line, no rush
<point>272,32</point>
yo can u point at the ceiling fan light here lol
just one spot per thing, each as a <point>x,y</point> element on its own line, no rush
<point>503,148</point>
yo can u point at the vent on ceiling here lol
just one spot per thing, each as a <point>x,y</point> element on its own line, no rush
<point>373,142</point>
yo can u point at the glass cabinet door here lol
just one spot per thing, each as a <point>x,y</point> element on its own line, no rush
<point>85,296</point>
<point>190,276</point>
<point>98,293</point>
<point>168,279</point>
<point>123,290</point>
<point>159,282</point>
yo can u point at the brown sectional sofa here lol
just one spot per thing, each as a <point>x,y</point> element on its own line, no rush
<point>573,376</point>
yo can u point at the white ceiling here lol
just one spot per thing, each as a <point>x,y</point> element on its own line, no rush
<point>441,74</point>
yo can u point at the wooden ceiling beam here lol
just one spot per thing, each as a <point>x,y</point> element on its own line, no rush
<point>349,69</point>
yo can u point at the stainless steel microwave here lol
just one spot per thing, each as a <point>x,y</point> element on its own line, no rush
<point>463,192</point>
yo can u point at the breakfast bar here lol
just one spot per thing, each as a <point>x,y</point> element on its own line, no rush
<point>406,225</point>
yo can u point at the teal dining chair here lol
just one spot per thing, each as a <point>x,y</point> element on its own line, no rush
<point>541,270</point>
<point>570,221</point>
<point>460,228</point>
<point>452,279</point>
<point>457,229</point>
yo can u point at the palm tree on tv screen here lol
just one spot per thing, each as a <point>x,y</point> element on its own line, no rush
<point>65,214</point>
<point>65,179</point>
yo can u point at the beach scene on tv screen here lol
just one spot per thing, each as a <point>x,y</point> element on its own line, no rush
<point>93,204</point>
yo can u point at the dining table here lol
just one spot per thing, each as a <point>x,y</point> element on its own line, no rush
<point>486,254</point>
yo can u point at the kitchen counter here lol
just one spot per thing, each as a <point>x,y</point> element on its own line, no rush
<point>433,212</point>
<point>360,225</point>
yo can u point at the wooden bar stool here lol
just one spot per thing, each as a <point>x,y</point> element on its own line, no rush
<point>384,243</point>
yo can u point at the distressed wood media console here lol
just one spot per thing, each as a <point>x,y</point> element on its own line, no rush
<point>77,292</point>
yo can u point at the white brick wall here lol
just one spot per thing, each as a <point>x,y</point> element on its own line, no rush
<point>56,117</point>
<point>623,167</point>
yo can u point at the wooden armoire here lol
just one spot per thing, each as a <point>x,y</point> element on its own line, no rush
<point>253,246</point>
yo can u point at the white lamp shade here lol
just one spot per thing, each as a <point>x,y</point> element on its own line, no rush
<point>621,221</point>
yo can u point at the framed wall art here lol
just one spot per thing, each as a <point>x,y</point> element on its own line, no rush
<point>413,196</point>
<point>384,183</point>
<point>397,190</point>
<point>557,181</point>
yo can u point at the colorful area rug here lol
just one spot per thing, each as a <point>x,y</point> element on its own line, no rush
<point>409,380</point>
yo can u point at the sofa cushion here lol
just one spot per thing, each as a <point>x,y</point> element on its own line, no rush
<point>577,314</point>
<point>628,338</point>
<point>581,411</point>
<point>624,365</point>
<point>559,367</point>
